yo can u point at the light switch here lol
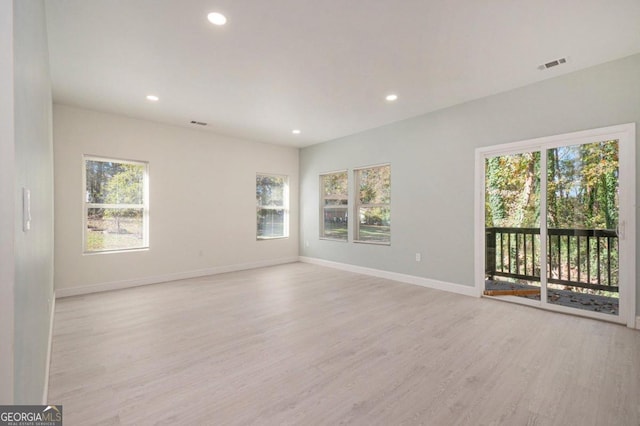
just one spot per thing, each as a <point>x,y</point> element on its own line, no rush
<point>26,209</point>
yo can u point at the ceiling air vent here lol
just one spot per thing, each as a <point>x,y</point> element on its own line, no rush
<point>199,123</point>
<point>553,63</point>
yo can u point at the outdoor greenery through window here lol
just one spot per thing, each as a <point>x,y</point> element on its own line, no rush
<point>373,204</point>
<point>582,215</point>
<point>116,207</point>
<point>272,206</point>
<point>334,205</point>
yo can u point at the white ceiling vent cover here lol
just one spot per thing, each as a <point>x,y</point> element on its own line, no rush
<point>552,64</point>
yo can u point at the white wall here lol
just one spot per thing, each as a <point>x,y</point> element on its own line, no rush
<point>7,191</point>
<point>202,200</point>
<point>33,170</point>
<point>432,166</point>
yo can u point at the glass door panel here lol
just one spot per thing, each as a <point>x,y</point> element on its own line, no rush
<point>582,222</point>
<point>512,225</point>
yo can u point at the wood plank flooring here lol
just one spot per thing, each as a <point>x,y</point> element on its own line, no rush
<point>302,344</point>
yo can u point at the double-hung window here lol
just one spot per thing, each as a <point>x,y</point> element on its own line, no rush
<point>116,205</point>
<point>373,204</point>
<point>334,206</point>
<point>272,206</point>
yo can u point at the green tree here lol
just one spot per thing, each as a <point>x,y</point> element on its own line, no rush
<point>375,188</point>
<point>512,190</point>
<point>583,186</point>
<point>125,187</point>
<point>335,185</point>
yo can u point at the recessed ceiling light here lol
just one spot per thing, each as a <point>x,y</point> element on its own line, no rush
<point>296,131</point>
<point>217,18</point>
<point>153,98</point>
<point>392,97</point>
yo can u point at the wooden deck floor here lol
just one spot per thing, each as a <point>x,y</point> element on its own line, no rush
<point>305,345</point>
<point>568,298</point>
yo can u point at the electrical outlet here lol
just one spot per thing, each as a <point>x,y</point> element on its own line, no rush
<point>418,257</point>
<point>306,243</point>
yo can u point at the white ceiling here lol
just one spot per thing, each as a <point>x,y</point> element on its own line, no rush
<point>323,66</point>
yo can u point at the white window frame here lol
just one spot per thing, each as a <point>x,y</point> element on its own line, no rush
<point>284,207</point>
<point>358,205</point>
<point>323,206</point>
<point>145,206</point>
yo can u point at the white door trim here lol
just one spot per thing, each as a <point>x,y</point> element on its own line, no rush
<point>626,135</point>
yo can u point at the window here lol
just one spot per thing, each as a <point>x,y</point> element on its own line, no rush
<point>373,204</point>
<point>115,205</point>
<point>272,206</point>
<point>334,207</point>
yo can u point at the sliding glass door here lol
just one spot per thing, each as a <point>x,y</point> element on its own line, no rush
<point>554,212</point>
<point>583,211</point>
<point>512,225</point>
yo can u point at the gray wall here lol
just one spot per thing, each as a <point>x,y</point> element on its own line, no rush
<point>432,166</point>
<point>7,190</point>
<point>34,170</point>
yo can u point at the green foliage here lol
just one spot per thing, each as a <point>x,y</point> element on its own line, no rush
<point>375,216</point>
<point>270,190</point>
<point>334,185</point>
<point>113,183</point>
<point>125,187</point>
<point>582,188</point>
<point>97,174</point>
<point>375,185</point>
<point>582,193</point>
<point>513,190</point>
<point>375,191</point>
<point>335,194</point>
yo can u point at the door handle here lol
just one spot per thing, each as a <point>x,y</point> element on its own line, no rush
<point>620,230</point>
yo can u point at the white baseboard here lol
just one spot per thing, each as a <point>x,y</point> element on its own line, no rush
<point>117,285</point>
<point>45,391</point>
<point>395,276</point>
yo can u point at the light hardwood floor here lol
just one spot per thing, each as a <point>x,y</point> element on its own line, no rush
<point>303,344</point>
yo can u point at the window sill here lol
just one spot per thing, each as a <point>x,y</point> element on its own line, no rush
<point>134,250</point>
<point>338,240</point>
<point>271,238</point>
<point>375,243</point>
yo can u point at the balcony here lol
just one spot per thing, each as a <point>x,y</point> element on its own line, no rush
<point>582,267</point>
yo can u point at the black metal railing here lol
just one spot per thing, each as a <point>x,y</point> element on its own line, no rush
<point>586,258</point>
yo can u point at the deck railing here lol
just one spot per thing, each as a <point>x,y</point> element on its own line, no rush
<point>586,258</point>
